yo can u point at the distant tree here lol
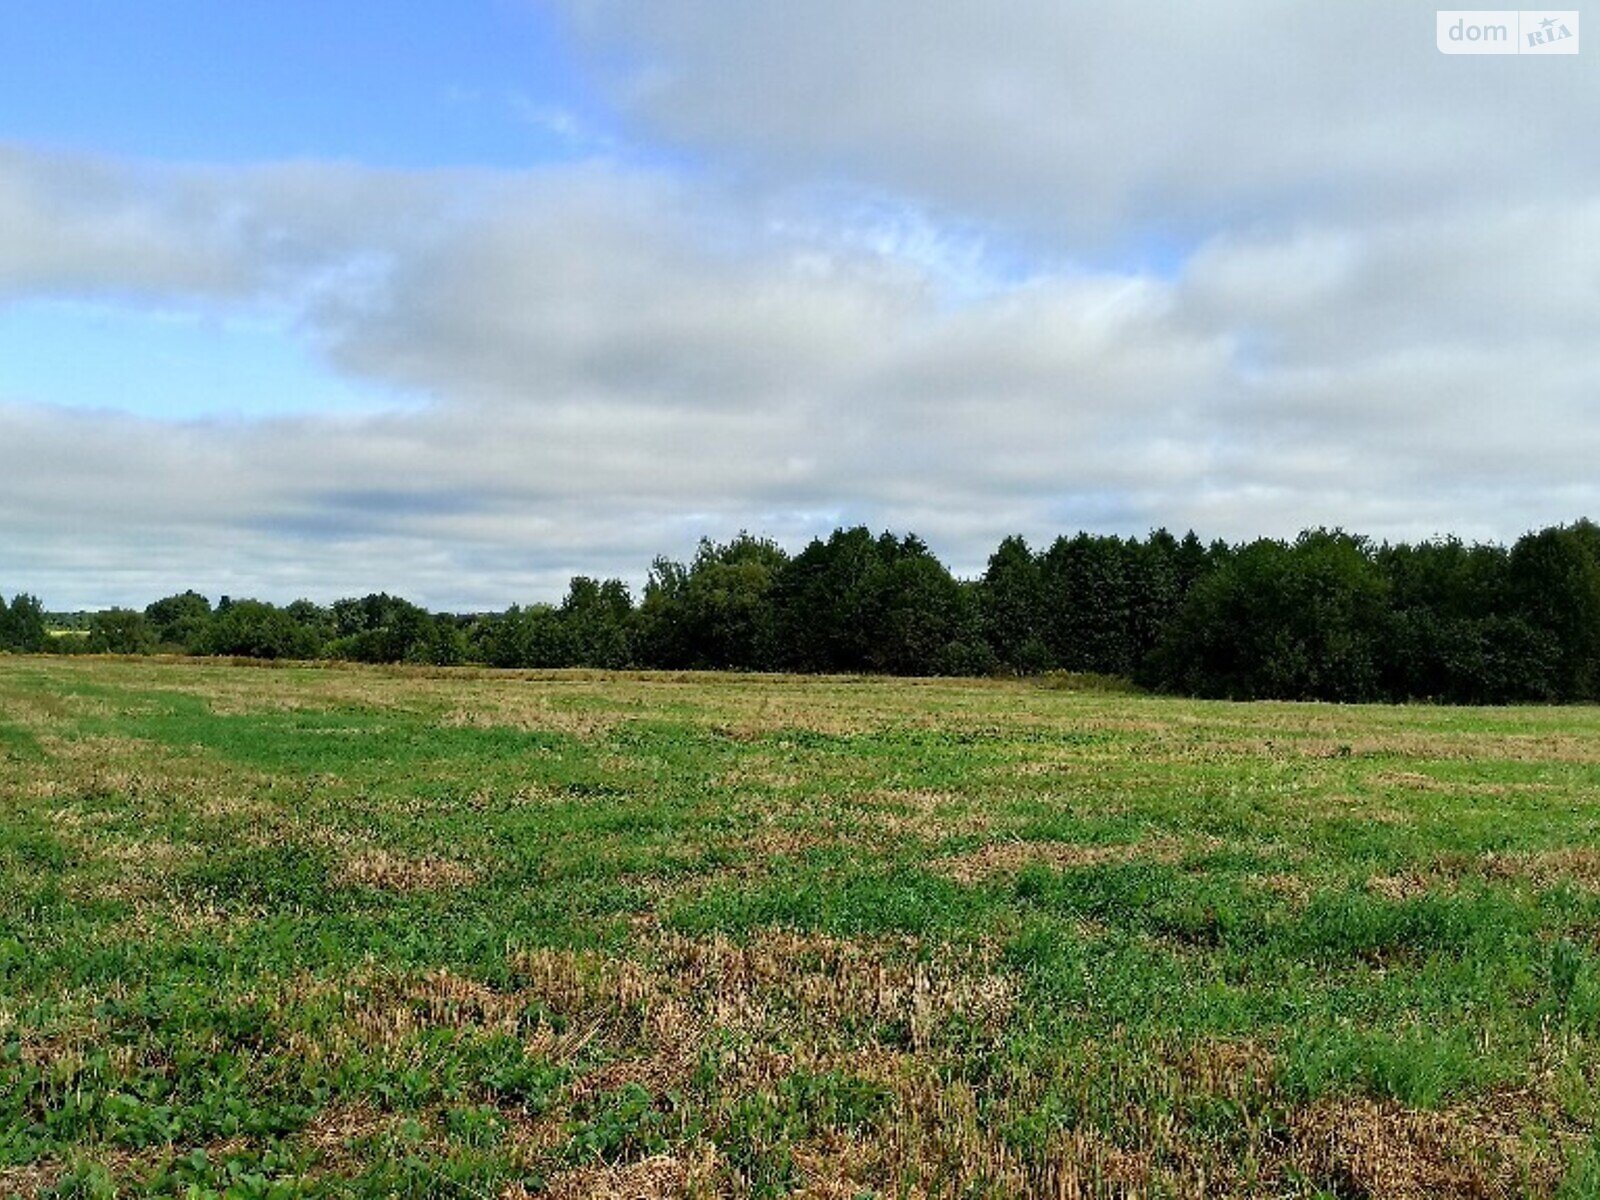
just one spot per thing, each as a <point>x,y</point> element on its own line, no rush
<point>532,637</point>
<point>380,628</point>
<point>924,622</point>
<point>817,597</point>
<point>1153,574</point>
<point>1011,604</point>
<point>1088,604</point>
<point>120,631</point>
<point>729,617</point>
<point>1447,578</point>
<point>179,621</point>
<point>23,629</point>
<point>1328,616</point>
<point>862,603</point>
<point>314,618</point>
<point>598,621</point>
<point>1555,583</point>
<point>1193,562</point>
<point>256,629</point>
<point>830,599</point>
<point>1452,633</point>
<point>1294,622</point>
<point>665,636</point>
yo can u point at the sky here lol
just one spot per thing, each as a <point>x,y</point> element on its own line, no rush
<point>457,300</point>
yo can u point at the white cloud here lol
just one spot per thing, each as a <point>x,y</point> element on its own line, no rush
<point>1088,123</point>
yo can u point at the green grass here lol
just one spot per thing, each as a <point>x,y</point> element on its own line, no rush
<point>370,932</point>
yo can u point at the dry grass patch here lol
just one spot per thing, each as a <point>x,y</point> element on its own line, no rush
<point>936,1142</point>
<point>144,854</point>
<point>1408,885</point>
<point>691,1173</point>
<point>1577,866</point>
<point>816,997</point>
<point>529,715</point>
<point>390,872</point>
<point>915,812</point>
<point>1000,859</point>
<point>666,1050</point>
<point>1385,1151</point>
<point>29,1181</point>
<point>1229,1067</point>
<point>1412,781</point>
<point>1295,889</point>
<point>821,981</point>
<point>84,776</point>
<point>335,1133</point>
<point>776,841</point>
<point>1574,864</point>
<point>389,1011</point>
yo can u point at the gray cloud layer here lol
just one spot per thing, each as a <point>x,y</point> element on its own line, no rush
<point>1385,316</point>
<point>1091,120</point>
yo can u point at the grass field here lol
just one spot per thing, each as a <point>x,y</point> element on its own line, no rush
<point>330,932</point>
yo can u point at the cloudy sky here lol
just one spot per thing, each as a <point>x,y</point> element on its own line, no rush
<point>456,299</point>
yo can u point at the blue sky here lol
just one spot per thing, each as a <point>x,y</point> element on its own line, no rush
<point>400,85</point>
<point>457,300</point>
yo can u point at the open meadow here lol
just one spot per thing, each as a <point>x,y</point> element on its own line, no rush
<point>331,931</point>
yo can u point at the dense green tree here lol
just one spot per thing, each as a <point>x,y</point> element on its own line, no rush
<point>598,621</point>
<point>663,629</point>
<point>23,629</point>
<point>178,621</point>
<point>255,629</point>
<point>1451,633</point>
<point>1555,584</point>
<point>1153,575</point>
<point>1447,577</point>
<point>923,621</point>
<point>1193,561</point>
<point>532,637</point>
<point>315,618</point>
<point>1088,604</point>
<point>120,631</point>
<point>837,611</point>
<point>730,616</point>
<point>1294,622</point>
<point>1011,605</point>
<point>824,599</point>
<point>380,628</point>
<point>1327,616</point>
<point>718,612</point>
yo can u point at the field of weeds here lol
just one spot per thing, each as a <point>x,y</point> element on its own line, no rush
<point>342,932</point>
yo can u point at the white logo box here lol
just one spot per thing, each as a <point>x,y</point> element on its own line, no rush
<point>1507,31</point>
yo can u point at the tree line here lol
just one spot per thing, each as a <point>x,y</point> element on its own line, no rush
<point>1328,615</point>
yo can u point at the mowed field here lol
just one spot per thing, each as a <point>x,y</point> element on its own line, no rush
<point>361,932</point>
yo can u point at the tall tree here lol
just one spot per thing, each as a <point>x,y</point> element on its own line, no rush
<point>665,637</point>
<point>179,621</point>
<point>825,599</point>
<point>1294,622</point>
<point>730,612</point>
<point>1088,598</point>
<point>598,618</point>
<point>256,629</point>
<point>22,625</point>
<point>120,631</point>
<point>1555,579</point>
<point>1011,602</point>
